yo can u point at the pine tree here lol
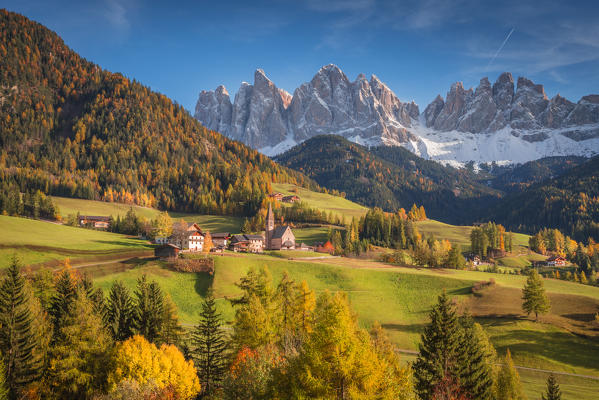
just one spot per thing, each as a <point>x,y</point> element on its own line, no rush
<point>508,381</point>
<point>3,386</point>
<point>120,312</point>
<point>533,294</point>
<point>439,350</point>
<point>210,346</point>
<point>149,307</point>
<point>475,373</point>
<point>553,391</point>
<point>64,297</point>
<point>17,335</point>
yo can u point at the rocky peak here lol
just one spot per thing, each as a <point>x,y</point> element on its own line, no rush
<point>454,107</point>
<point>432,110</point>
<point>529,102</point>
<point>503,91</point>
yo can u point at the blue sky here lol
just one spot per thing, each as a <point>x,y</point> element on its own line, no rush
<point>417,47</point>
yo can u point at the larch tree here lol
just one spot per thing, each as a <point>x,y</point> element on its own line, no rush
<point>170,328</point>
<point>209,346</point>
<point>439,351</point>
<point>533,295</point>
<point>3,386</point>
<point>208,245</point>
<point>508,386</point>
<point>553,391</point>
<point>81,358</point>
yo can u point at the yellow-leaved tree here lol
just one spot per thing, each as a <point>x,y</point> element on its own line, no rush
<point>138,360</point>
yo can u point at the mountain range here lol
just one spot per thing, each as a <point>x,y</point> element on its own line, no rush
<point>506,122</point>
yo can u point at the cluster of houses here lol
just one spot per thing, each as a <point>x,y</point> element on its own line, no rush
<point>93,221</point>
<point>285,199</point>
<point>274,238</point>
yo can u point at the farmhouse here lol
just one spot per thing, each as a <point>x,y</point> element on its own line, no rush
<point>279,238</point>
<point>190,237</point>
<point>247,243</point>
<point>556,261</point>
<point>220,239</point>
<point>97,222</point>
<point>277,196</point>
<point>291,199</point>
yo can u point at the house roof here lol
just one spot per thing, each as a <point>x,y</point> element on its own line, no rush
<point>223,235</point>
<point>94,217</point>
<point>254,237</point>
<point>556,258</point>
<point>168,245</point>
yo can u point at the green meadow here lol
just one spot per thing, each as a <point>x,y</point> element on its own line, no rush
<point>39,241</point>
<point>338,205</point>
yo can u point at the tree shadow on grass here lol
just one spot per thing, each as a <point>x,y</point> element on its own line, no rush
<point>405,328</point>
<point>203,283</point>
<point>557,346</point>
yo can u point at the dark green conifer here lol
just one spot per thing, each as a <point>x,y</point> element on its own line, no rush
<point>61,305</point>
<point>476,374</point>
<point>17,336</point>
<point>439,350</point>
<point>120,312</point>
<point>149,309</point>
<point>553,391</point>
<point>209,346</point>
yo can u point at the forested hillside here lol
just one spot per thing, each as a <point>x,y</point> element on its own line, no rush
<point>520,177</point>
<point>569,203</point>
<point>69,128</point>
<point>389,177</point>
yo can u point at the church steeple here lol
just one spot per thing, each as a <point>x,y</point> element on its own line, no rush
<point>270,226</point>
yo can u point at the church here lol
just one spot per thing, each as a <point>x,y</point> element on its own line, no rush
<point>277,238</point>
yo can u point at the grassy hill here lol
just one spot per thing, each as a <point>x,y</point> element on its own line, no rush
<point>38,241</point>
<point>213,223</point>
<point>407,295</point>
<point>322,201</point>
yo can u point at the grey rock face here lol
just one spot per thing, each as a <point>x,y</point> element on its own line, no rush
<point>263,115</point>
<point>454,108</point>
<point>480,110</point>
<point>432,110</point>
<point>215,109</point>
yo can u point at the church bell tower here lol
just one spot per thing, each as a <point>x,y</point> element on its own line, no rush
<point>270,227</point>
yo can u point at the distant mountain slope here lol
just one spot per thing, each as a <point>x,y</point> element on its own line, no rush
<point>389,177</point>
<point>72,129</point>
<point>504,122</point>
<point>520,177</point>
<point>569,202</point>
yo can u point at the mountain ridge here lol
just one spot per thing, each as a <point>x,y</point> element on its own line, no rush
<point>513,122</point>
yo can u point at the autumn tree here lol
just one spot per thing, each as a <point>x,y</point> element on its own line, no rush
<point>3,386</point>
<point>81,358</point>
<point>138,360</point>
<point>64,298</point>
<point>163,225</point>
<point>208,245</point>
<point>533,295</point>
<point>170,328</point>
<point>508,381</point>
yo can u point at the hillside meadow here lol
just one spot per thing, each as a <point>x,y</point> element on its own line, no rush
<point>407,295</point>
<point>39,241</point>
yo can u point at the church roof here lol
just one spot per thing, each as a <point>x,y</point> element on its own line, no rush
<point>279,231</point>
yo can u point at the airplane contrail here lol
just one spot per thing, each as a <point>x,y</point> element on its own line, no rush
<point>500,47</point>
